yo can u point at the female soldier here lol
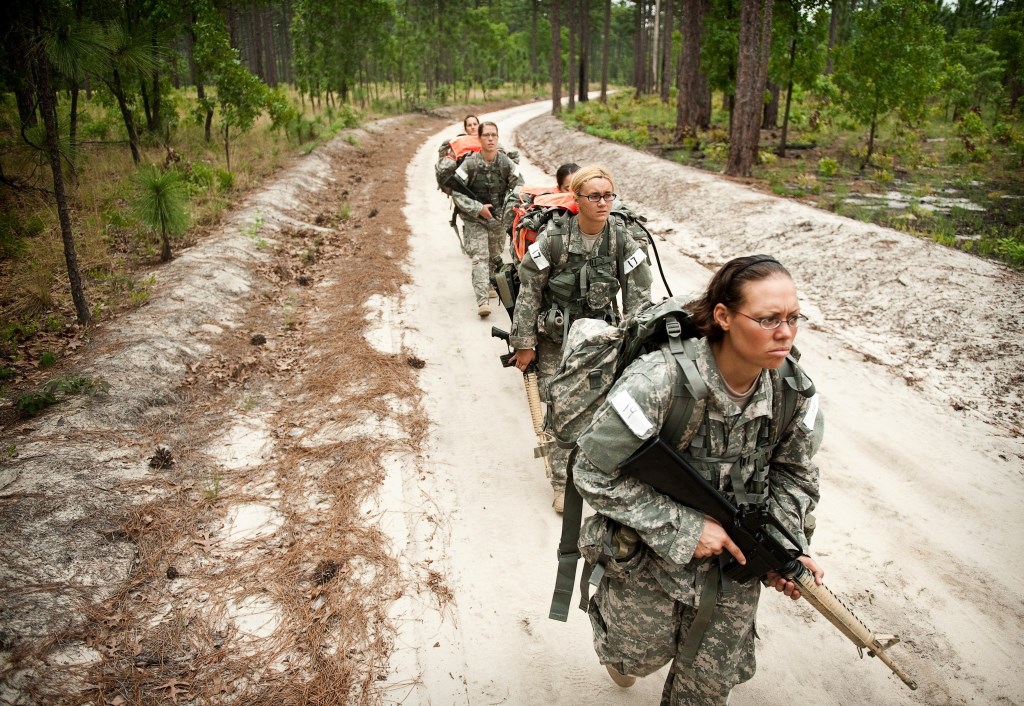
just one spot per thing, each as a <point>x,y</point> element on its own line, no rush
<point>471,125</point>
<point>574,270</point>
<point>665,600</point>
<point>563,177</point>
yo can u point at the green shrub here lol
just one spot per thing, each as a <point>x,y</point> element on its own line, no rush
<point>827,167</point>
<point>47,360</point>
<point>225,179</point>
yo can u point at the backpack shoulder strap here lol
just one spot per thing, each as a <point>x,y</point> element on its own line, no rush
<point>794,383</point>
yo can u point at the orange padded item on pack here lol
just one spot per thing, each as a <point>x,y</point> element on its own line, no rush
<point>525,234</point>
<point>462,145</point>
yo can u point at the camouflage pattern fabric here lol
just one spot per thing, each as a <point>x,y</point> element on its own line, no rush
<point>529,329</point>
<point>534,301</point>
<point>485,239</point>
<point>670,582</point>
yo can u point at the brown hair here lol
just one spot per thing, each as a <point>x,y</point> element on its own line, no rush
<point>726,288</point>
<point>480,130</point>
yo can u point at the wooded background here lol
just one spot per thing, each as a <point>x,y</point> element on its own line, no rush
<point>160,63</point>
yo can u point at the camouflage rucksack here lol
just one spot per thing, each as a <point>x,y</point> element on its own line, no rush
<point>594,356</point>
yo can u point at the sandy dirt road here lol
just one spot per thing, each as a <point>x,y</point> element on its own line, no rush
<point>355,514</point>
<point>918,524</point>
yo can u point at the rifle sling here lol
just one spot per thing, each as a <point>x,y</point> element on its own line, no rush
<point>568,551</point>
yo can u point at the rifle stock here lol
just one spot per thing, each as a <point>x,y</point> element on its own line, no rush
<point>660,466</point>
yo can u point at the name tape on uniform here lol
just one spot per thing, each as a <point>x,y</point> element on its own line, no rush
<point>812,412</point>
<point>631,414</point>
<point>633,262</point>
<point>538,257</point>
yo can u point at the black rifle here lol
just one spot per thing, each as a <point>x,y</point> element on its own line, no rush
<point>660,466</point>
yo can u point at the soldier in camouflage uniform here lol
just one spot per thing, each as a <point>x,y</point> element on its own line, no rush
<point>665,570</point>
<point>579,281</point>
<point>492,175</point>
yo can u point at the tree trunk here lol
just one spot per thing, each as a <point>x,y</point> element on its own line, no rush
<point>666,53</point>
<point>833,33</point>
<point>751,75</point>
<point>157,121</point>
<point>21,77</point>
<point>781,151</point>
<point>556,60</point>
<point>770,121</point>
<point>227,145</point>
<point>871,142</point>
<point>655,45</point>
<point>73,117</point>
<point>534,68</point>
<point>570,62</point>
<point>605,47</point>
<point>146,108</point>
<point>48,108</point>
<point>693,104</point>
<point>117,89</point>
<point>584,82</point>
<point>640,50</point>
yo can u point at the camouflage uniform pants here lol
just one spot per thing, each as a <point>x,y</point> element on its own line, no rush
<point>638,628</point>
<point>484,240</point>
<point>558,457</point>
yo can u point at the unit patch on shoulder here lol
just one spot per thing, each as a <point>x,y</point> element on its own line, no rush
<point>538,257</point>
<point>634,417</point>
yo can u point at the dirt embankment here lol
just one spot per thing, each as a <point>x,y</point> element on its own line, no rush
<point>238,565</point>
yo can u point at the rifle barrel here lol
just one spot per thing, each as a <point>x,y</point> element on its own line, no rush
<point>836,612</point>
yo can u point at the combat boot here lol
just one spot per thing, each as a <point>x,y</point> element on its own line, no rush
<point>484,310</point>
<point>623,680</point>
<point>559,502</point>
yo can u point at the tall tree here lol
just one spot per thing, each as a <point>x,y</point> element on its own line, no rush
<point>666,52</point>
<point>751,75</point>
<point>556,60</point>
<point>570,62</point>
<point>798,53</point>
<point>693,102</point>
<point>891,63</point>
<point>605,49</point>
<point>584,70</point>
<point>41,34</point>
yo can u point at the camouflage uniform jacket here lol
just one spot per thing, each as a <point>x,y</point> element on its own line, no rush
<point>535,298</point>
<point>669,530</point>
<point>492,180</point>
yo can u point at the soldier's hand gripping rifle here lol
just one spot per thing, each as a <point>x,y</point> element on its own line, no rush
<point>660,466</point>
<point>544,440</point>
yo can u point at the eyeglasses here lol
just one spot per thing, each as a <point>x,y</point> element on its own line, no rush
<point>489,134</point>
<point>597,198</point>
<point>770,323</point>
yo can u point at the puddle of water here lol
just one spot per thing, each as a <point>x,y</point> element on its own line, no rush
<point>896,200</point>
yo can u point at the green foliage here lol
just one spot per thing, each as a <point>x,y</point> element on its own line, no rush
<point>1011,248</point>
<point>972,74</point>
<point>29,404</point>
<point>827,167</point>
<point>161,204</point>
<point>47,360</point>
<point>878,74</point>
